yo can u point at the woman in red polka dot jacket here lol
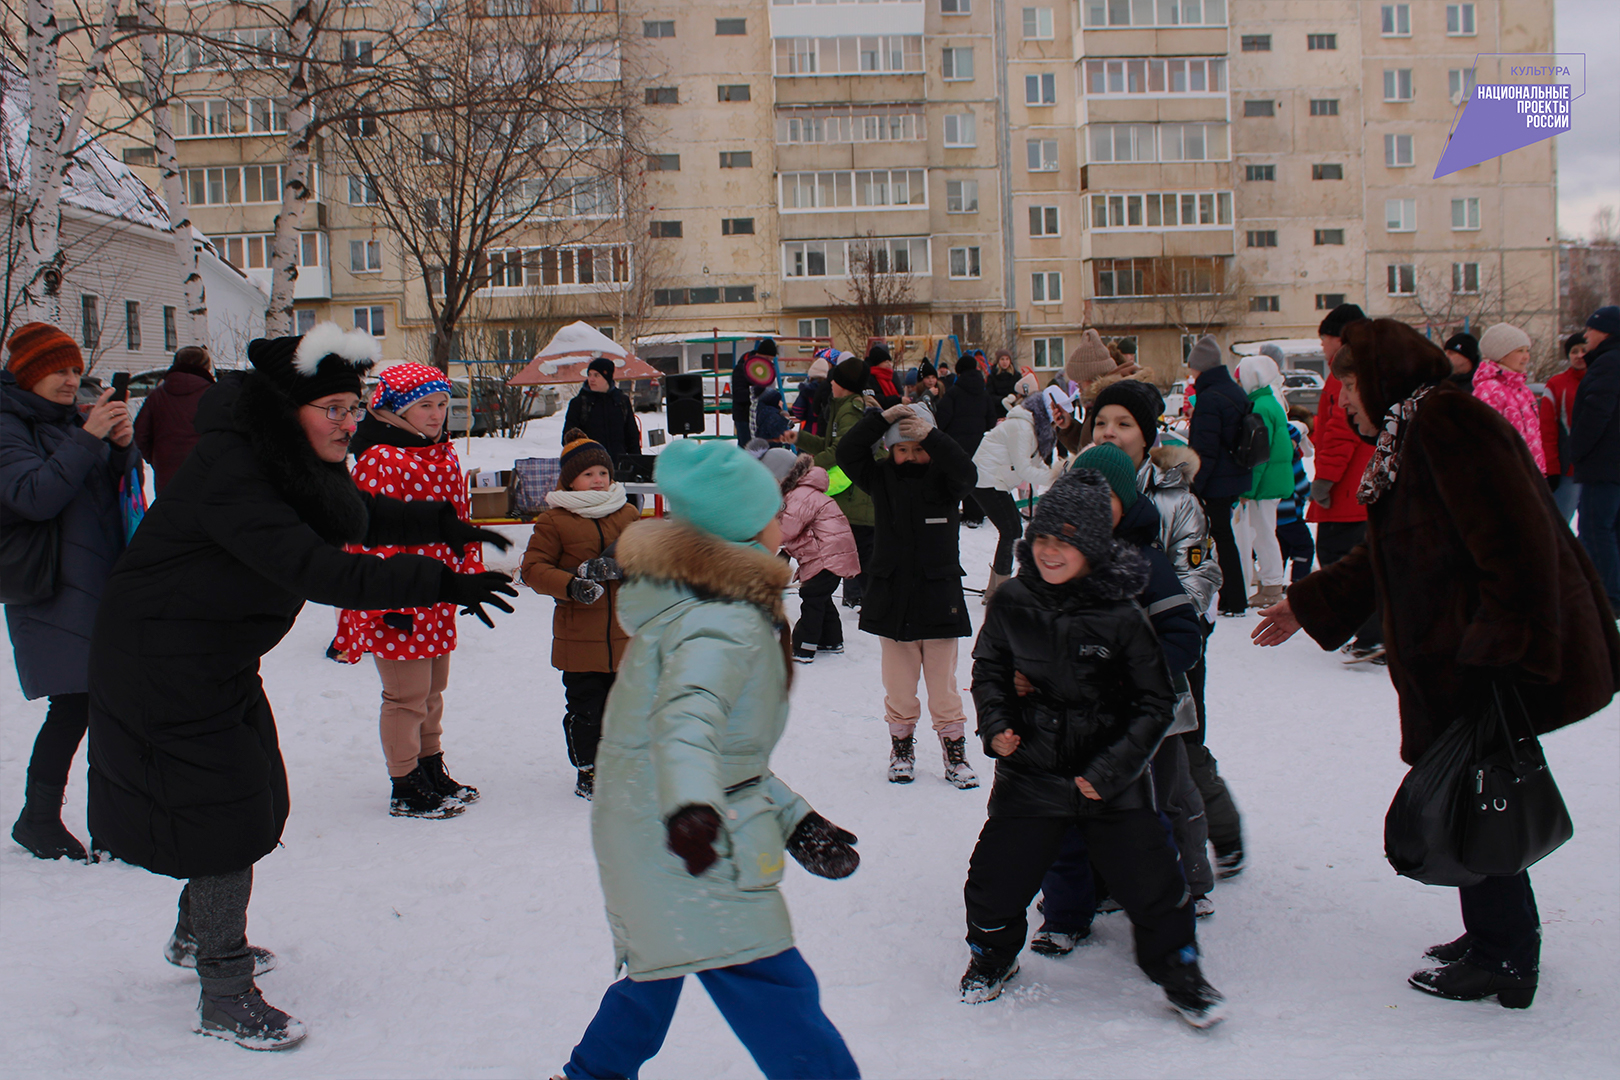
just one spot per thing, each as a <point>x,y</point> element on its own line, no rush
<point>401,451</point>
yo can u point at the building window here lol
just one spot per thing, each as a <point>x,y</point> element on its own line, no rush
<point>365,256</point>
<point>662,95</point>
<point>1398,151</point>
<point>968,327</point>
<point>956,7</point>
<point>737,92</point>
<point>1043,221</point>
<point>1401,279</point>
<point>1327,301</point>
<point>849,55</point>
<point>959,129</point>
<point>730,27</point>
<point>205,117</point>
<point>363,126</point>
<point>1037,24</point>
<point>89,320</point>
<point>961,196</point>
<point>1157,142</point>
<point>1255,42</point>
<point>1259,108</point>
<point>236,185</point>
<point>1046,287</point>
<point>171,335</point>
<point>362,191</point>
<point>1259,172</point>
<point>132,324</point>
<point>1465,278</point>
<point>1041,155</point>
<point>1324,106</point>
<point>1398,84</point>
<point>863,189</point>
<point>737,294</point>
<point>1262,238</point>
<point>1265,303</point>
<point>964,262</point>
<point>846,124</point>
<point>737,226</point>
<point>831,258</point>
<point>814,328</point>
<point>664,230</point>
<point>1327,172</point>
<point>1100,13</point>
<point>1460,84</point>
<point>1048,352</point>
<point>1328,237</point>
<point>663,163</point>
<point>892,255</point>
<point>1321,42</point>
<point>1397,20</point>
<point>1400,215</point>
<point>357,54</point>
<point>1196,75</point>
<point>1168,210</point>
<point>1184,276</point>
<point>736,159</point>
<point>370,319</point>
<point>304,320</point>
<point>1460,20</point>
<point>1040,89</point>
<point>662,28</point>
<point>957,64</point>
<point>1464,215</point>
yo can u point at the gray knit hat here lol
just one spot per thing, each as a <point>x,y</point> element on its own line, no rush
<point>1206,354</point>
<point>1077,511</point>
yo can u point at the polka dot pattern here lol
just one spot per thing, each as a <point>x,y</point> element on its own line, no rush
<point>431,473</point>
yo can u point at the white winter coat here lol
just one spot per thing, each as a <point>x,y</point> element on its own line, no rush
<point>1009,456</point>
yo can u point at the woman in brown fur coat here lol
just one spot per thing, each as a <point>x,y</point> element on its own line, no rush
<point>1481,584</point>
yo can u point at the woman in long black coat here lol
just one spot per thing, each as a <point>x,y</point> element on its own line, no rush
<point>1481,585</point>
<point>186,775</point>
<point>56,465</point>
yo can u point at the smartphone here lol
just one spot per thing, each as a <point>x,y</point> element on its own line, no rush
<point>120,385</point>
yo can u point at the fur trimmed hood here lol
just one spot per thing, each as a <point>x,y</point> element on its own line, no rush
<point>1177,465</point>
<point>711,568</point>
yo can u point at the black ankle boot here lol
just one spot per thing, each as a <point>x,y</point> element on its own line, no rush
<point>415,796</point>
<point>1463,981</point>
<point>433,765</point>
<point>39,827</point>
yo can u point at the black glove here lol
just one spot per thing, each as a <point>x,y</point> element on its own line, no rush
<point>471,591</point>
<point>399,620</point>
<point>458,534</point>
<point>604,569</point>
<point>583,591</point>
<point>823,848</point>
<point>692,831</point>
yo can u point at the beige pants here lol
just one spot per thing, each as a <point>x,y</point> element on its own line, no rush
<point>412,708</point>
<point>935,660</point>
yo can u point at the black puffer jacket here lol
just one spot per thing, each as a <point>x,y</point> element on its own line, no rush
<point>1216,426</point>
<point>186,776</point>
<point>965,413</point>
<point>608,418</point>
<point>1102,699</point>
<point>1166,603</point>
<point>1595,432</point>
<point>914,578</point>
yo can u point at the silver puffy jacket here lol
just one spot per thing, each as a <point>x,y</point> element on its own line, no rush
<point>1166,477</point>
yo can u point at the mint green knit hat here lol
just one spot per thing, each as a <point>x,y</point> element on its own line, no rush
<point>1116,467</point>
<point>718,487</point>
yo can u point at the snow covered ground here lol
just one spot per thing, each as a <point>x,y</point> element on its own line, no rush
<point>477,947</point>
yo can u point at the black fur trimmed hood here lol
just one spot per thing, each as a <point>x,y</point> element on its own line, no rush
<point>323,493</point>
<point>1122,577</point>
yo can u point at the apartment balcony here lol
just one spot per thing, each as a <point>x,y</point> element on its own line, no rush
<point>314,282</point>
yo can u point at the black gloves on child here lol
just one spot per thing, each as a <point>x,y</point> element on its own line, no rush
<point>471,591</point>
<point>584,591</point>
<point>605,568</point>
<point>692,832</point>
<point>823,848</point>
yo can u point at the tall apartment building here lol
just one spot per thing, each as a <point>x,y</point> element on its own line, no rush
<point>1153,168</point>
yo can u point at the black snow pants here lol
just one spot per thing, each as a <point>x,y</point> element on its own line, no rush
<point>585,693</point>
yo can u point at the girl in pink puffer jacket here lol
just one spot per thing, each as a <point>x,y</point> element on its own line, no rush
<point>1499,382</point>
<point>817,534</point>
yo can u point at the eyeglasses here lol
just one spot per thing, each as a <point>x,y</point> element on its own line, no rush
<point>338,413</point>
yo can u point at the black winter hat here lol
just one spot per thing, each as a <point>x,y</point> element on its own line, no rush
<point>1466,344</point>
<point>1142,400</point>
<point>851,375</point>
<point>925,369</point>
<point>1577,338</point>
<point>603,366</point>
<point>327,360</point>
<point>876,355</point>
<point>765,346</point>
<point>1078,511</point>
<point>1339,318</point>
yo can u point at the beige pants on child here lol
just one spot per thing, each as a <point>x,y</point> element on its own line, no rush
<point>412,709</point>
<point>935,660</point>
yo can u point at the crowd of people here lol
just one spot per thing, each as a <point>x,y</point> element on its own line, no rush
<point>1440,485</point>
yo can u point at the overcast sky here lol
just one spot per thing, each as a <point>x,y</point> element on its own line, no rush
<point>1589,155</point>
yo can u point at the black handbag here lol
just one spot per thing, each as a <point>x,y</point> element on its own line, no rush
<point>1423,830</point>
<point>1515,814</point>
<point>30,556</point>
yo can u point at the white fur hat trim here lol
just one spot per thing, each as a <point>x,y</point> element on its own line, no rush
<point>356,346</point>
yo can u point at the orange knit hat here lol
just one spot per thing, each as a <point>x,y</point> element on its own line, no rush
<point>40,349</point>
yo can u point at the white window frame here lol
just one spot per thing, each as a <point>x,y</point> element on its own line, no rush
<point>1467,210</point>
<point>1461,21</point>
<point>1178,77</point>
<point>1041,155</point>
<point>856,183</point>
<point>850,54</point>
<point>1400,279</point>
<point>956,63</point>
<point>960,130</point>
<point>1038,24</point>
<point>372,320</point>
<point>304,320</point>
<point>969,261</point>
<point>363,191</point>
<point>1046,287</point>
<point>1040,89</point>
<point>819,125</point>
<point>952,7</point>
<point>1136,211</point>
<point>1395,20</point>
<point>964,199</point>
<point>1398,84</point>
<point>836,256</point>
<point>1046,353</point>
<point>1400,215</point>
<point>1460,84</point>
<point>367,254</point>
<point>814,328</point>
<point>1106,15</point>
<point>1460,273</point>
<point>1048,219</point>
<point>1393,145</point>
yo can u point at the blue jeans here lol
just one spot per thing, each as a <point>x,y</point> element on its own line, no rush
<point>773,1005</point>
<point>1600,507</point>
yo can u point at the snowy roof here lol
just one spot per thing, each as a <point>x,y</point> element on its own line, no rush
<point>576,342</point>
<point>1289,346</point>
<point>95,181</point>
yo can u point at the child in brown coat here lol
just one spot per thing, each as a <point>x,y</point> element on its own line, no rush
<point>568,558</point>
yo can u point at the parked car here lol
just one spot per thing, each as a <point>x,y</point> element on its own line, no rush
<point>1303,389</point>
<point>645,394</point>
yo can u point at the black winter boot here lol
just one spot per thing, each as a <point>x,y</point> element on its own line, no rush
<point>985,978</point>
<point>416,796</point>
<point>39,827</point>
<point>1191,996</point>
<point>1450,952</point>
<point>248,1020</point>
<point>1463,981</point>
<point>450,789</point>
<point>585,782</point>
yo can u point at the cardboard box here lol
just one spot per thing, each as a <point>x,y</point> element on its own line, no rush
<point>492,498</point>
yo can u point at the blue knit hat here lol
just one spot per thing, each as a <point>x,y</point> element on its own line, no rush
<point>1605,320</point>
<point>717,486</point>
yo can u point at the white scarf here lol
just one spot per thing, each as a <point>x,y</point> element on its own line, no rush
<point>588,504</point>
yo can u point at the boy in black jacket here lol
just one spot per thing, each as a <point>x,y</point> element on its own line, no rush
<point>1073,750</point>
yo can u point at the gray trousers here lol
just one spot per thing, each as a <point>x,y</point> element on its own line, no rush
<point>213,913</point>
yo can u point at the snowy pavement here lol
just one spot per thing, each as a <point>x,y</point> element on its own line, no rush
<point>477,947</point>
